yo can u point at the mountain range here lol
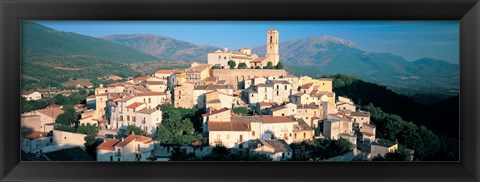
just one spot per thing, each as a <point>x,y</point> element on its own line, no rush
<point>313,56</point>
<point>164,48</point>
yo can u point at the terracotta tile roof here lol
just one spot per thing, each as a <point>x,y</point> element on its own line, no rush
<point>103,94</point>
<point>146,111</point>
<point>257,60</point>
<point>155,82</point>
<point>267,103</point>
<point>218,111</point>
<point>164,71</point>
<point>214,101</point>
<point>108,144</point>
<point>115,98</point>
<point>143,139</point>
<point>54,105</point>
<point>52,112</point>
<point>367,134</point>
<point>141,78</point>
<point>126,98</point>
<point>116,84</point>
<point>150,94</point>
<point>126,141</point>
<point>134,105</point>
<point>313,92</point>
<point>276,119</point>
<point>307,86</point>
<point>33,134</point>
<point>210,79</point>
<point>229,126</point>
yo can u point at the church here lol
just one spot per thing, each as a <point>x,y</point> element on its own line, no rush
<point>244,55</point>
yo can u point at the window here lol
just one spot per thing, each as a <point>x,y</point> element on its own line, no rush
<point>149,100</point>
<point>278,87</point>
<point>219,57</point>
<point>304,135</point>
<point>277,93</point>
<point>225,57</point>
<point>128,118</point>
<point>111,158</point>
<point>285,87</point>
<point>253,133</point>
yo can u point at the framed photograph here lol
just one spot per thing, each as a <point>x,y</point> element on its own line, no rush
<point>240,90</point>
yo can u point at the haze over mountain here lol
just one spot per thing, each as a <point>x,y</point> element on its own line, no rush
<point>165,48</point>
<point>39,40</point>
<point>317,55</point>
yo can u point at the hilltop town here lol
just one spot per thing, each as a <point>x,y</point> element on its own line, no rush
<point>238,101</point>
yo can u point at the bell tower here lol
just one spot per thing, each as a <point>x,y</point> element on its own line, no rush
<point>272,47</point>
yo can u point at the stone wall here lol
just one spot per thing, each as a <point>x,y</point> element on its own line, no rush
<point>233,76</point>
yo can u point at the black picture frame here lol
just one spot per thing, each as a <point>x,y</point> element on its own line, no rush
<point>466,11</point>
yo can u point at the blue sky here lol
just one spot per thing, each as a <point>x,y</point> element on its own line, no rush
<point>410,39</point>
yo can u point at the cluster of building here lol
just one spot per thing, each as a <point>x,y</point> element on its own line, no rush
<point>284,108</point>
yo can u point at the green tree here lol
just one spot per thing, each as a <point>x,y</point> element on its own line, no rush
<point>177,127</point>
<point>279,66</point>
<point>242,66</point>
<point>133,129</point>
<point>241,110</point>
<point>232,64</point>
<point>82,91</point>
<point>258,67</point>
<point>178,155</point>
<point>269,66</point>
<point>162,134</point>
<point>68,117</point>
<point>91,131</point>
<point>217,66</point>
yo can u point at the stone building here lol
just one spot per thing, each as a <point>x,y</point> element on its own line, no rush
<point>245,56</point>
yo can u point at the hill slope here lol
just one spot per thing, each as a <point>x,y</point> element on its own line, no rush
<point>38,40</point>
<point>441,117</point>
<point>165,48</point>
